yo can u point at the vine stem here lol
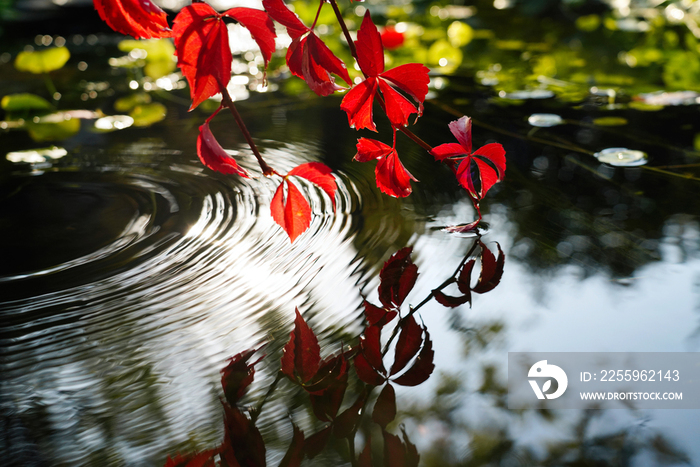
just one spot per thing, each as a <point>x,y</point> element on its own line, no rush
<point>228,102</point>
<point>344,27</point>
<point>256,412</point>
<point>448,281</point>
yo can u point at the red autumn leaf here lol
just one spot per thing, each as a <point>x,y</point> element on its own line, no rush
<point>392,177</point>
<point>317,64</point>
<point>357,103</point>
<point>141,19</point>
<point>243,442</point>
<point>377,316</point>
<point>237,376</point>
<point>365,457</point>
<point>315,443</point>
<point>283,15</point>
<point>261,28</point>
<point>397,278</point>
<point>491,270</point>
<point>301,355</point>
<point>465,277</point>
<point>214,156</point>
<point>450,301</point>
<point>408,344</point>
<point>203,52</point>
<point>320,175</point>
<point>333,379</point>
<point>366,372</point>
<point>202,46</point>
<point>398,453</point>
<point>291,212</point>
<point>346,423</point>
<point>202,459</point>
<point>391,38</point>
<point>411,79</point>
<point>295,453</point>
<point>385,408</point>
<point>422,367</point>
<point>477,172</point>
<point>394,451</point>
<point>308,57</point>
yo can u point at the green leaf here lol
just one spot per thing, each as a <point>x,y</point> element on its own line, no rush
<point>460,33</point>
<point>147,115</point>
<point>42,61</point>
<point>125,104</point>
<point>156,49</point>
<point>610,121</point>
<point>53,131</point>
<point>24,101</point>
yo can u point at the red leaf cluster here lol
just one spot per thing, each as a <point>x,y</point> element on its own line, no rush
<point>397,452</point>
<point>410,79</point>
<point>141,19</point>
<point>491,273</point>
<point>397,278</point>
<point>477,172</point>
<point>290,210</point>
<point>202,46</point>
<point>392,177</point>
<point>308,57</point>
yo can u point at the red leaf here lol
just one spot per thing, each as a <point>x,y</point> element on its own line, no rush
<point>422,367</point>
<point>242,441</point>
<point>371,149</point>
<point>464,280</point>
<point>377,316</point>
<point>283,15</point>
<point>449,301</point>
<point>332,384</point>
<point>398,108</point>
<point>408,345</point>
<point>315,443</point>
<point>370,53</point>
<point>462,130</point>
<point>365,457</point>
<point>320,175</point>
<point>366,372</point>
<point>301,355</point>
<point>323,56</point>
<point>292,213</point>
<point>295,453</point>
<point>494,153</point>
<point>346,423</point>
<point>391,38</point>
<point>491,270</point>
<point>411,78</point>
<point>237,376</point>
<point>385,408</point>
<point>371,348</point>
<point>203,52</point>
<point>392,177</point>
<point>357,103</point>
<point>261,28</point>
<point>141,19</point>
<point>214,156</point>
<point>412,457</point>
<point>446,150</point>
<point>394,451</point>
<point>397,278</point>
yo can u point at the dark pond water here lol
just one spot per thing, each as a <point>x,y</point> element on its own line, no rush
<point>129,273</point>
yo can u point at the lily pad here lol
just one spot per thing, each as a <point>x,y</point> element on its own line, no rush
<point>622,157</point>
<point>610,121</point>
<point>545,120</point>
<point>148,114</point>
<point>113,122</point>
<point>24,101</point>
<point>42,61</point>
<point>35,156</point>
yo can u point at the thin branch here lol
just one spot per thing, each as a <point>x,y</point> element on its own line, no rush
<point>228,102</point>
<point>256,411</point>
<point>346,33</point>
<point>430,296</point>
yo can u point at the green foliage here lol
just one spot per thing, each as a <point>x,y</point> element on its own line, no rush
<point>42,61</point>
<point>24,102</point>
